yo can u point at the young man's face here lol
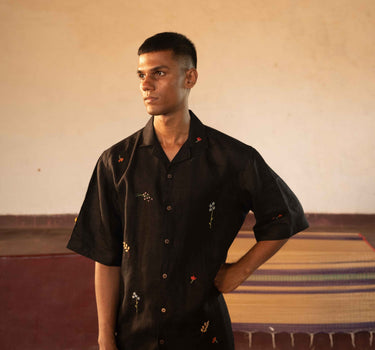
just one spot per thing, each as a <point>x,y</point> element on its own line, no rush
<point>163,82</point>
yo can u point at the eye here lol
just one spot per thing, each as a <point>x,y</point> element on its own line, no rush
<point>159,73</point>
<point>141,76</point>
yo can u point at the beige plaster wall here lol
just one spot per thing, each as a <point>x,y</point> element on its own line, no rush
<point>295,79</point>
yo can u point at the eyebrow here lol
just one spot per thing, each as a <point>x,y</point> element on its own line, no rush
<point>154,68</point>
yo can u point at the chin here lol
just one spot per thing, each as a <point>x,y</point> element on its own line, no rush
<point>154,111</point>
<point>151,111</point>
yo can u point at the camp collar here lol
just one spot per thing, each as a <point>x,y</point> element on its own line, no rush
<point>197,139</point>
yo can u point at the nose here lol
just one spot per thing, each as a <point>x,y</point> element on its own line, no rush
<point>147,83</point>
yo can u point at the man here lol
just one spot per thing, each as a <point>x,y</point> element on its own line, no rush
<point>163,207</point>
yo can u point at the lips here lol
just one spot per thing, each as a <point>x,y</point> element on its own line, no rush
<point>149,99</point>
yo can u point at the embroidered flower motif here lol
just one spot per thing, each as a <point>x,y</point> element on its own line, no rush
<point>211,209</point>
<point>214,340</point>
<point>198,139</point>
<point>126,247</point>
<point>277,217</point>
<point>192,279</point>
<point>75,219</point>
<point>146,196</point>
<point>136,297</point>
<point>205,327</point>
<point>120,159</point>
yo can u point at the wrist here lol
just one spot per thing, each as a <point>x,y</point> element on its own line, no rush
<point>106,336</point>
<point>107,342</point>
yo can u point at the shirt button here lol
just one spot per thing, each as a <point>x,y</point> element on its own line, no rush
<point>166,241</point>
<point>169,207</point>
<point>165,276</point>
<point>163,310</point>
<point>169,176</point>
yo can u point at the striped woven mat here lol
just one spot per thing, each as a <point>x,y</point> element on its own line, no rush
<point>318,282</point>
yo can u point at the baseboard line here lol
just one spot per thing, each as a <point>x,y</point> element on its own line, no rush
<point>67,220</point>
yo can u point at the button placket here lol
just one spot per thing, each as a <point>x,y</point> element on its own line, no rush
<point>166,240</point>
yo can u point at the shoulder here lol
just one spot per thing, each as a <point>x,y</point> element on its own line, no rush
<point>229,145</point>
<point>121,151</point>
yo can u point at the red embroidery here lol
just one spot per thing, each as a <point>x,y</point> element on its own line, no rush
<point>277,217</point>
<point>193,278</point>
<point>214,340</point>
<point>120,159</point>
<point>198,139</point>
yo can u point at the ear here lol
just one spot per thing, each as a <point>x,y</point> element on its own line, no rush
<point>191,77</point>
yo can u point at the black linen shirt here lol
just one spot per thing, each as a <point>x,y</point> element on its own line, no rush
<point>169,226</point>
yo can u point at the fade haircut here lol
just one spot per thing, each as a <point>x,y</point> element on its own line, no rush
<point>179,44</point>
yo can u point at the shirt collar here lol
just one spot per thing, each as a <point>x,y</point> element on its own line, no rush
<point>197,139</point>
<point>148,134</point>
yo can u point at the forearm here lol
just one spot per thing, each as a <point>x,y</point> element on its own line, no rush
<point>258,255</point>
<point>107,288</point>
<point>230,276</point>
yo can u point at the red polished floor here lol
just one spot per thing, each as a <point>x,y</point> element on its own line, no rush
<point>47,302</point>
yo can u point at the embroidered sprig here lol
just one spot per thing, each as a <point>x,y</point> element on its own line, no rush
<point>214,340</point>
<point>146,196</point>
<point>120,159</point>
<point>211,209</point>
<point>193,279</point>
<point>126,247</point>
<point>205,327</point>
<point>198,139</point>
<point>136,297</point>
<point>277,217</point>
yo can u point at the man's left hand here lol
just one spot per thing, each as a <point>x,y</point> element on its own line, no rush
<point>229,277</point>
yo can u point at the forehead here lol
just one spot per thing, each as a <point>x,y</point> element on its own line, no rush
<point>154,59</point>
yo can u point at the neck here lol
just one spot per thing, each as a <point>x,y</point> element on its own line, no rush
<point>172,130</point>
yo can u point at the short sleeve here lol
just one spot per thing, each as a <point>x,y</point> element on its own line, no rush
<point>98,230</point>
<point>277,210</point>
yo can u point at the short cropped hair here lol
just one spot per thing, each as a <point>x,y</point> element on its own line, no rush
<point>179,44</point>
